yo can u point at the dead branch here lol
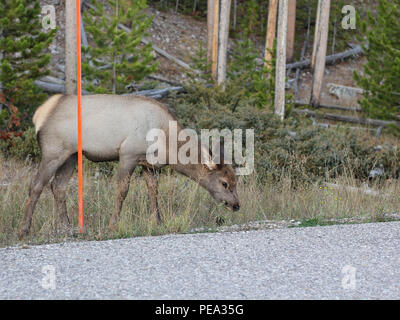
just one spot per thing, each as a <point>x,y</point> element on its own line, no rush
<point>327,106</point>
<point>162,79</point>
<point>329,59</point>
<point>342,118</point>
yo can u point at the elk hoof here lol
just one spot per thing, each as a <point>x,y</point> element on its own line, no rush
<point>23,233</point>
<point>66,229</point>
<point>112,225</point>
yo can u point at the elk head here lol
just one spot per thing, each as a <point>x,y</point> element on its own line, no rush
<point>220,181</point>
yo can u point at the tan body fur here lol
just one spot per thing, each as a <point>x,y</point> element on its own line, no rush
<point>114,128</point>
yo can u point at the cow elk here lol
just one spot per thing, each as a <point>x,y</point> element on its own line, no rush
<point>114,128</point>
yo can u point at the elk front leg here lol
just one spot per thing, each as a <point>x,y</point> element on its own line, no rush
<point>59,187</point>
<point>125,169</point>
<point>152,185</point>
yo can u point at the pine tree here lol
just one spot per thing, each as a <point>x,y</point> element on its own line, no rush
<point>248,72</point>
<point>23,54</point>
<point>381,75</point>
<point>117,57</point>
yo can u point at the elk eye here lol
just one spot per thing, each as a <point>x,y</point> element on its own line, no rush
<point>225,185</point>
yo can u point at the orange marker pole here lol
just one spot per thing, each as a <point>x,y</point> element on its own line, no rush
<point>79,95</point>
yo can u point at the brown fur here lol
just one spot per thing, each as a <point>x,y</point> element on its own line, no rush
<point>114,127</point>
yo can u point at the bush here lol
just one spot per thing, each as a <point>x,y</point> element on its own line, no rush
<point>309,155</point>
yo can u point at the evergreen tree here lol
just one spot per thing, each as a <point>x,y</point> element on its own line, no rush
<point>248,72</point>
<point>117,57</point>
<point>381,75</point>
<point>23,57</point>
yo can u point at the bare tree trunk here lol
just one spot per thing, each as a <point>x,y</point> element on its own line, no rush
<point>194,6</point>
<point>210,29</point>
<point>271,30</point>
<point>70,46</point>
<point>115,57</point>
<point>334,37</point>
<point>316,34</point>
<point>234,14</point>
<point>224,37</point>
<point>303,53</point>
<point>320,48</point>
<point>281,59</point>
<point>176,5</point>
<point>214,56</point>
<point>291,29</point>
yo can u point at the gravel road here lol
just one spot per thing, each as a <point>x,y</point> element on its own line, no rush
<point>335,262</point>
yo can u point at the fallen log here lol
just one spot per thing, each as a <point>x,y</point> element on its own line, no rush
<point>327,106</point>
<point>52,80</point>
<point>162,79</point>
<point>329,59</point>
<point>157,93</point>
<point>53,87</point>
<point>342,118</point>
<point>329,125</point>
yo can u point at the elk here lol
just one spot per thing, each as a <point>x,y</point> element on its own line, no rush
<point>114,128</point>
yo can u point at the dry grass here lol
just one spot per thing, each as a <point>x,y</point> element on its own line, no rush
<point>184,205</point>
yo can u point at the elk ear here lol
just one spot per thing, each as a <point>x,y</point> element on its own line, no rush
<point>207,159</point>
<point>221,154</point>
<point>218,155</point>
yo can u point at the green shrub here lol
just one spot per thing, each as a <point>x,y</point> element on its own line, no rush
<point>312,154</point>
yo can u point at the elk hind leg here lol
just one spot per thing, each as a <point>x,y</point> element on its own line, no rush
<point>152,185</point>
<point>48,166</point>
<point>59,188</point>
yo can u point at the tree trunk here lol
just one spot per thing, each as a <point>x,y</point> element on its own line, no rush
<point>214,56</point>
<point>291,29</point>
<point>281,59</point>
<point>320,52</point>
<point>271,30</point>
<point>70,46</point>
<point>234,14</point>
<point>316,34</point>
<point>210,29</point>
<point>224,37</point>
